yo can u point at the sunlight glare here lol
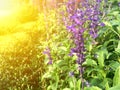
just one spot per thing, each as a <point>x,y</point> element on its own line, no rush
<point>6,7</point>
<point>6,4</point>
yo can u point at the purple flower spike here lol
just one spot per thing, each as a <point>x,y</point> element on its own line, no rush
<point>87,84</point>
<point>80,21</point>
<point>47,52</point>
<point>98,1</point>
<point>102,24</point>
<point>71,74</point>
<point>50,62</point>
<point>119,4</point>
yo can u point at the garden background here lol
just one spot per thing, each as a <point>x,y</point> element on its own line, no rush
<point>59,45</point>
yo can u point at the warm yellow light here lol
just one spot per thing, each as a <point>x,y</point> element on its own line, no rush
<point>6,7</point>
<point>6,4</point>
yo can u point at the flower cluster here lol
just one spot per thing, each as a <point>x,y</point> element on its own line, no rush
<point>81,19</point>
<point>75,26</point>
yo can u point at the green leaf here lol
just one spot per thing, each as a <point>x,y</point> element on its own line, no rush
<point>89,62</point>
<point>61,63</point>
<point>64,68</point>
<point>66,89</point>
<point>90,70</point>
<point>92,88</point>
<point>78,85</point>
<point>71,83</point>
<point>104,84</point>
<point>107,24</point>
<point>115,22</point>
<point>115,88</point>
<point>116,79</point>
<point>114,65</point>
<point>89,46</point>
<point>118,48</point>
<point>109,41</point>
<point>57,81</point>
<point>107,86</point>
<point>118,29</point>
<point>96,81</point>
<point>63,48</point>
<point>46,75</point>
<point>115,13</point>
<point>102,53</point>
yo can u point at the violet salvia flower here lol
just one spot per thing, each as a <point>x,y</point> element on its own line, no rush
<point>102,24</point>
<point>84,18</point>
<point>119,4</point>
<point>47,52</point>
<point>87,84</point>
<point>71,74</point>
<point>98,1</point>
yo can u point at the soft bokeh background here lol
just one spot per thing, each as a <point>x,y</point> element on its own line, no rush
<point>22,31</point>
<point>35,45</point>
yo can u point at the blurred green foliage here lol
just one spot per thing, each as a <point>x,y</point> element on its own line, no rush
<point>23,66</point>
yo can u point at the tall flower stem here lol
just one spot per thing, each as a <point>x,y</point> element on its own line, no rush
<point>82,21</point>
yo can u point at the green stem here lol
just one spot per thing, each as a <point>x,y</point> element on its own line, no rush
<point>115,32</point>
